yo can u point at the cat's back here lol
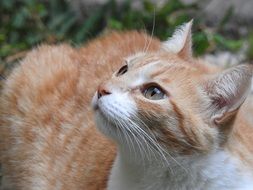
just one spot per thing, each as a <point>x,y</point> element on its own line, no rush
<point>47,127</point>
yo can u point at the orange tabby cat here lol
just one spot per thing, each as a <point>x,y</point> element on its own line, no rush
<point>178,123</point>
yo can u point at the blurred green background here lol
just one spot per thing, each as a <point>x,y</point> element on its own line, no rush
<point>25,24</point>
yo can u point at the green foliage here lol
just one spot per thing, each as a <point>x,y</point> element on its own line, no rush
<point>200,42</point>
<point>26,23</point>
<point>29,22</point>
<point>162,22</point>
<point>232,45</point>
<point>250,49</point>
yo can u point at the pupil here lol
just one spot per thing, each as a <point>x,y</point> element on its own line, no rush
<point>154,91</point>
<point>123,70</point>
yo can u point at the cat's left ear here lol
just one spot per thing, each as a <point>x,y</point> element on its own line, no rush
<point>181,41</point>
<point>226,92</point>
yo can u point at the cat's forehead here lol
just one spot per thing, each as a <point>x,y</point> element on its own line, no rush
<point>159,64</point>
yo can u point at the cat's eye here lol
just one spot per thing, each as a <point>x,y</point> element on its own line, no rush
<point>154,93</point>
<point>122,70</point>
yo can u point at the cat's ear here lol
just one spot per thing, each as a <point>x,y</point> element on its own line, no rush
<point>181,41</point>
<point>227,91</point>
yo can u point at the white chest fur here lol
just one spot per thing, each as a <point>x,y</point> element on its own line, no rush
<point>218,171</point>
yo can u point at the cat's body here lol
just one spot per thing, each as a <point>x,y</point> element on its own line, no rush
<point>48,135</point>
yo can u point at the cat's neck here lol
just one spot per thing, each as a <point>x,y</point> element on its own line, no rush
<point>206,172</point>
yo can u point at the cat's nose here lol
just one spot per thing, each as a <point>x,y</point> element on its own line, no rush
<point>102,91</point>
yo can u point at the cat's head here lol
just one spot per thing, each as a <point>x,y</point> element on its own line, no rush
<point>170,101</point>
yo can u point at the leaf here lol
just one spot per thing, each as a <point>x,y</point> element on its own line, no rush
<point>115,24</point>
<point>227,17</point>
<point>89,25</point>
<point>200,42</point>
<point>229,44</point>
<point>149,6</point>
<point>58,20</point>
<point>19,18</point>
<point>250,48</point>
<point>5,50</point>
<point>66,26</point>
<point>14,37</point>
<point>2,37</point>
<point>7,4</point>
<point>170,7</point>
<point>40,8</point>
<point>33,39</point>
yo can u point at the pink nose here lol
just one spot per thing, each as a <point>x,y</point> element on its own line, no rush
<point>102,91</point>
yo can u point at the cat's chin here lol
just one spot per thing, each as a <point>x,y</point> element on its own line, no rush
<point>105,124</point>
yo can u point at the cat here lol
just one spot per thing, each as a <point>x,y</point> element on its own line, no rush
<point>165,120</point>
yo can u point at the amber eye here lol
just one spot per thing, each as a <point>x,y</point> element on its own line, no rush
<point>154,93</point>
<point>122,70</point>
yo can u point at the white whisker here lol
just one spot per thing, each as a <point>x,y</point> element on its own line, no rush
<point>146,39</point>
<point>161,149</point>
<point>127,137</point>
<point>152,33</point>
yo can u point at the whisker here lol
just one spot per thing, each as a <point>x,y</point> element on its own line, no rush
<point>152,33</point>
<point>164,151</point>
<point>160,150</point>
<point>133,137</point>
<point>149,152</point>
<point>146,38</point>
<point>127,137</point>
<point>153,143</point>
<point>147,144</point>
<point>142,136</point>
<point>135,134</point>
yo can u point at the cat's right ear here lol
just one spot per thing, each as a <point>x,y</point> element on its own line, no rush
<point>226,92</point>
<point>181,41</point>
